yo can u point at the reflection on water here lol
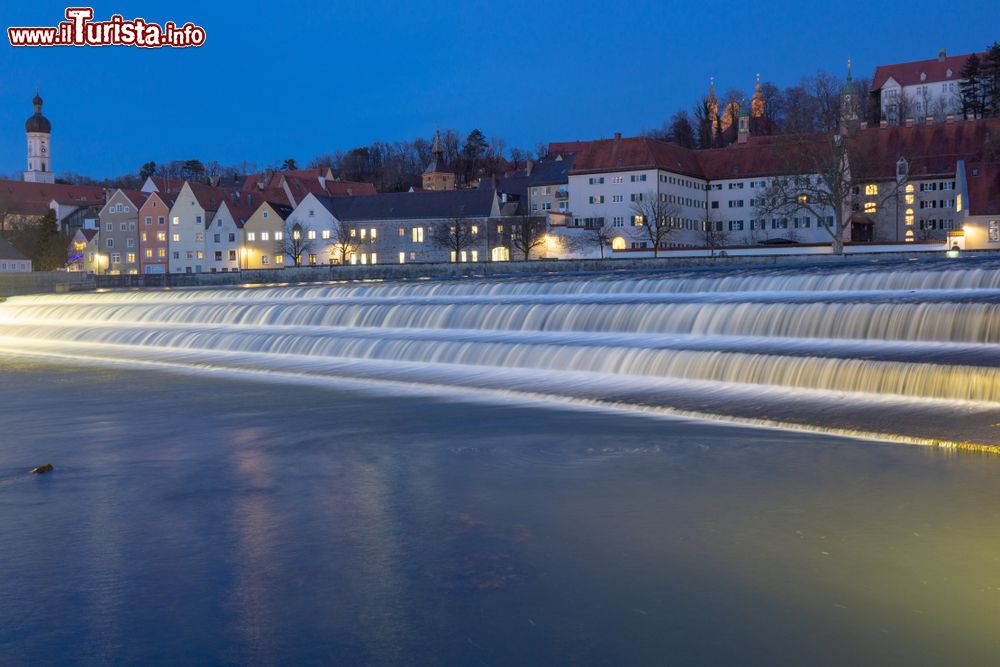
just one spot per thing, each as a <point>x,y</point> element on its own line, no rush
<point>192,519</point>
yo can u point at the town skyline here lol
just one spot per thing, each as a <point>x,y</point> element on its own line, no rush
<point>375,99</point>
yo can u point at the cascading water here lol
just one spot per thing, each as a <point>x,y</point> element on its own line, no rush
<point>901,352</point>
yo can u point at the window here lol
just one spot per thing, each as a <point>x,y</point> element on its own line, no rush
<point>617,179</point>
<point>218,255</point>
<point>161,236</point>
<point>871,189</point>
<point>638,220</point>
<point>596,180</point>
<point>402,258</point>
<point>418,234</point>
<point>638,178</point>
<point>616,199</point>
<point>279,259</point>
<point>326,233</point>
<point>597,199</point>
<point>871,207</point>
<point>264,260</point>
<point>162,252</point>
<point>312,259</point>
<point>715,204</point>
<point>116,257</point>
<point>994,230</point>
<point>130,243</point>
<point>176,220</point>
<point>131,257</point>
<point>373,233</point>
<point>618,221</point>
<point>232,255</point>
<point>144,237</point>
<point>110,243</point>
<point>217,238</point>
<point>176,238</point>
<point>265,236</point>
<point>149,219</point>
<point>402,231</point>
<point>199,236</point>
<point>159,220</point>
<point>149,253</point>
<point>311,234</point>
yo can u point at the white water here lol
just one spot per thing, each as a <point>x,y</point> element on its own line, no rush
<point>904,338</point>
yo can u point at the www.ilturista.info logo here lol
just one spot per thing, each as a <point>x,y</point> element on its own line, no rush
<point>80,29</point>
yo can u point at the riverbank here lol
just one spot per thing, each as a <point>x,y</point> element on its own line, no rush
<point>52,282</point>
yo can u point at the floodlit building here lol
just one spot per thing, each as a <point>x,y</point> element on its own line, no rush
<point>118,234</point>
<point>920,89</point>
<point>39,133</point>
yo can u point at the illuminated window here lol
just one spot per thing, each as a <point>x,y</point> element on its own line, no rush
<point>162,253</point>
<point>475,230</point>
<point>131,257</point>
<point>149,252</point>
<point>909,236</point>
<point>251,236</point>
<point>618,243</point>
<point>176,220</point>
<point>279,259</point>
<point>326,233</point>
<point>475,255</point>
<point>870,207</point>
<point>177,238</point>
<point>871,189</point>
<point>958,203</point>
<point>265,236</point>
<point>311,234</point>
<point>909,188</point>
<point>278,236</point>
<point>402,232</point>
<point>373,234</point>
<point>909,199</point>
<point>803,199</point>
<point>402,255</point>
<point>418,234</point>
<point>144,239</point>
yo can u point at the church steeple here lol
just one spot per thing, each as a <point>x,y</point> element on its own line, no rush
<point>712,106</point>
<point>849,120</point>
<point>757,100</point>
<point>39,134</point>
<point>436,176</point>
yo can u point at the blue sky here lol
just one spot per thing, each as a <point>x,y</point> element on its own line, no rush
<point>297,79</point>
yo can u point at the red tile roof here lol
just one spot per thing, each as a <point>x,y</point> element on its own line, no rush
<point>349,189</point>
<point>20,198</point>
<point>931,149</point>
<point>984,188</point>
<point>760,156</point>
<point>908,74</point>
<point>137,197</point>
<point>634,153</point>
<point>565,147</point>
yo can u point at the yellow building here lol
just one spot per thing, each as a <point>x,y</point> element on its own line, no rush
<point>263,237</point>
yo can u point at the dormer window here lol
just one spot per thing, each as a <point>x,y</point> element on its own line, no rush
<point>948,73</point>
<point>923,76</point>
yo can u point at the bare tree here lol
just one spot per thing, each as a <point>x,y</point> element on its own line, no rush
<point>654,220</point>
<point>527,233</point>
<point>456,235</point>
<point>714,233</point>
<point>345,242</point>
<point>820,176</point>
<point>602,237</point>
<point>296,240</point>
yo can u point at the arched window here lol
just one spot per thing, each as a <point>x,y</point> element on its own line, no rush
<point>618,243</point>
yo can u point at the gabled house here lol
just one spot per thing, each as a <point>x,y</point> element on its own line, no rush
<point>82,251</point>
<point>193,210</point>
<point>263,235</point>
<point>224,241</point>
<point>154,227</point>
<point>118,236</point>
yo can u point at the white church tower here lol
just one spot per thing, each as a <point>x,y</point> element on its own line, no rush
<point>39,132</point>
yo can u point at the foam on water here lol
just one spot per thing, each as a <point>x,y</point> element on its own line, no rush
<point>733,343</point>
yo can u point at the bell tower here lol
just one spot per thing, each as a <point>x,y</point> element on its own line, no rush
<point>849,120</point>
<point>39,134</point>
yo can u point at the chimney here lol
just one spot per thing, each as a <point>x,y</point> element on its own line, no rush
<point>950,118</point>
<point>528,166</point>
<point>909,122</point>
<point>883,124</point>
<point>942,54</point>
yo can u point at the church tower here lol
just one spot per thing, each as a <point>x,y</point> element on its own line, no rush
<point>757,101</point>
<point>436,176</point>
<point>39,132</point>
<point>849,120</point>
<point>712,107</point>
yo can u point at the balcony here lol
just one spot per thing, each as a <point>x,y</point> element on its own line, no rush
<point>562,194</point>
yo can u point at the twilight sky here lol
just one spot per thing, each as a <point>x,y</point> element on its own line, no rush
<point>297,79</point>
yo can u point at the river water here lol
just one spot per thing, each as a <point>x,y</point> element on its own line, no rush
<point>487,472</point>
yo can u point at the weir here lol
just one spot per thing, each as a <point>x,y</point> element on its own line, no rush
<point>852,350</point>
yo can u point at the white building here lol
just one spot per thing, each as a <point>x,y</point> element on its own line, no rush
<point>39,133</point>
<point>193,209</point>
<point>12,260</point>
<point>920,89</point>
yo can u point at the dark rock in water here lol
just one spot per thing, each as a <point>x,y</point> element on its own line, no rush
<point>42,469</point>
